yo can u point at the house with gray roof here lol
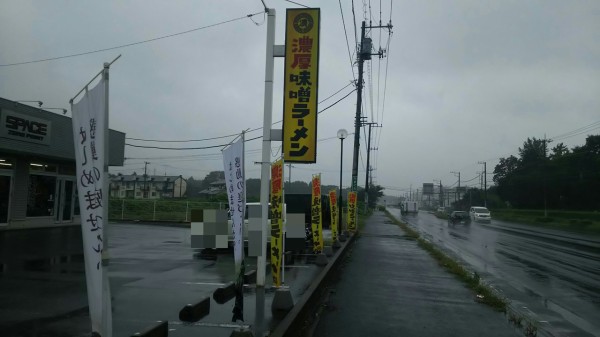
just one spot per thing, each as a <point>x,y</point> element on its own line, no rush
<point>142,186</point>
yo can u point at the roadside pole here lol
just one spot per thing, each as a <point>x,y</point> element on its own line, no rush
<point>266,146</point>
<point>261,264</point>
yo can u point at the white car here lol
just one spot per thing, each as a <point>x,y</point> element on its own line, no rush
<point>480,214</point>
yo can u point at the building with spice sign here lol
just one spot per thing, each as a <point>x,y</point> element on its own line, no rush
<point>37,167</point>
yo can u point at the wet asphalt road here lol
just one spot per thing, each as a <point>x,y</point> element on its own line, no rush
<point>552,276</point>
<point>153,273</point>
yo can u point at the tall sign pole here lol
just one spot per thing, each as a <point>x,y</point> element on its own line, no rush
<point>266,146</point>
<point>261,264</point>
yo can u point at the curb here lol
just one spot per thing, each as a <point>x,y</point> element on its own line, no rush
<point>294,322</point>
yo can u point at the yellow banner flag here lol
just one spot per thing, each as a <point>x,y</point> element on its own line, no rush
<point>315,214</point>
<point>300,85</point>
<point>352,211</point>
<point>333,206</point>
<point>276,210</point>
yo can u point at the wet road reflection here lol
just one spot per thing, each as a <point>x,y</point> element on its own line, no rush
<point>153,273</point>
<point>555,274</point>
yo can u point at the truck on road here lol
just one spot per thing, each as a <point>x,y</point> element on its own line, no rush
<point>410,206</point>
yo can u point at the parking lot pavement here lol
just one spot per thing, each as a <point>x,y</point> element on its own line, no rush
<point>153,273</point>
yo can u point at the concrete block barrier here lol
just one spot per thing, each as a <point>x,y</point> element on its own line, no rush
<point>250,277</point>
<point>195,312</point>
<point>161,329</point>
<point>241,333</point>
<point>225,293</point>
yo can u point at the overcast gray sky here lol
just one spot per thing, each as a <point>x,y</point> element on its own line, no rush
<point>467,81</point>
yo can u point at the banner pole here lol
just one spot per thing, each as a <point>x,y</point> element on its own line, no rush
<point>106,302</point>
<point>92,80</point>
<point>284,215</point>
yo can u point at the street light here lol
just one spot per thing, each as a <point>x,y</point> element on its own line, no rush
<point>341,134</point>
<point>64,111</point>
<point>38,102</point>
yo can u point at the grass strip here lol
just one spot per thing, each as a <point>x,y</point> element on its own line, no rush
<point>485,294</point>
<point>552,221</point>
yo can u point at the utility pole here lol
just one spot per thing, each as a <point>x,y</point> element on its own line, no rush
<point>363,54</point>
<point>441,194</point>
<point>368,163</point>
<point>457,193</point>
<point>546,141</point>
<point>145,194</point>
<point>484,182</point>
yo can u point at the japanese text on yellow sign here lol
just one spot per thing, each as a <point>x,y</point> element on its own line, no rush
<point>315,214</point>
<point>300,86</point>
<point>276,210</point>
<point>334,214</point>
<point>352,211</point>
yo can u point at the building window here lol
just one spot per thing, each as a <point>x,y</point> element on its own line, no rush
<point>153,194</point>
<point>67,170</point>
<point>40,200</point>
<point>38,167</point>
<point>76,210</point>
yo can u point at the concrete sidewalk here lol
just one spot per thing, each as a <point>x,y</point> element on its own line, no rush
<point>391,287</point>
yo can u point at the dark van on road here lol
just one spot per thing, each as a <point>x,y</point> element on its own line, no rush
<point>459,217</point>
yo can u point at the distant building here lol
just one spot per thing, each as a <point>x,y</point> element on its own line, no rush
<point>214,188</point>
<point>147,187</point>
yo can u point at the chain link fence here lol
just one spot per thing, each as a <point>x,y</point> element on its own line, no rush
<point>157,210</point>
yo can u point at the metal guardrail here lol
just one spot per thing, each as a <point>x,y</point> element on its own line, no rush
<point>157,209</point>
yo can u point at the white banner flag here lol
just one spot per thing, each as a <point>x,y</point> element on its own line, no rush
<point>88,131</point>
<point>233,162</point>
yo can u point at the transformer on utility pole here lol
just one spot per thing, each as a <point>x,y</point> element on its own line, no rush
<point>364,54</point>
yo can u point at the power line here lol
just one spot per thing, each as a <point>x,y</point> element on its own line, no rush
<point>578,131</point>
<point>236,134</point>
<point>130,44</point>
<point>295,3</point>
<point>181,141</point>
<point>335,93</point>
<point>336,102</point>
<point>354,20</point>
<point>186,148</point>
<point>221,145</point>
<point>347,43</point>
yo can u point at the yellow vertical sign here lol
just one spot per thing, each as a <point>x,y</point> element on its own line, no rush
<point>352,211</point>
<point>300,85</point>
<point>333,206</point>
<point>315,214</point>
<point>276,210</point>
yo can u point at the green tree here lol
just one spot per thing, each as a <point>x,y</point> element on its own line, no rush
<point>211,178</point>
<point>559,151</point>
<point>193,187</point>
